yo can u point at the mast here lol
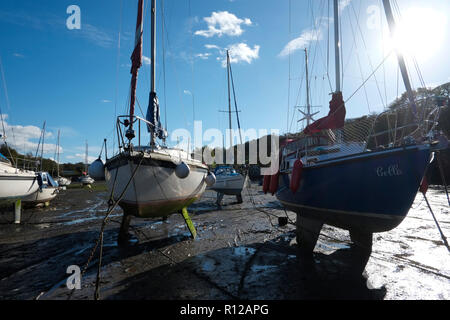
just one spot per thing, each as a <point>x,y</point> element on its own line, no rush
<point>42,147</point>
<point>308,116</point>
<point>308,106</point>
<point>401,60</point>
<point>229,96</point>
<point>136,59</point>
<point>86,159</point>
<point>153,45</point>
<point>57,157</point>
<point>153,101</point>
<point>337,45</point>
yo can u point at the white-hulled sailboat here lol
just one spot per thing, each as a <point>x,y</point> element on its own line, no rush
<point>152,180</point>
<point>62,181</point>
<point>48,188</point>
<point>15,183</point>
<point>228,181</point>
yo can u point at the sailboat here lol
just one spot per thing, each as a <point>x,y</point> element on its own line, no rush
<point>152,180</point>
<point>15,183</point>
<point>228,181</point>
<point>86,179</point>
<point>48,188</point>
<point>365,184</point>
<point>62,181</point>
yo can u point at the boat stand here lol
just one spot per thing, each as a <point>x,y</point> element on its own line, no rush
<point>124,235</point>
<point>219,198</point>
<point>189,222</point>
<point>17,211</point>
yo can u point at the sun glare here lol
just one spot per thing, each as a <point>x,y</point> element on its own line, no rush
<point>420,32</point>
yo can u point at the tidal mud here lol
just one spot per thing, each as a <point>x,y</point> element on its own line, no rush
<point>241,252</point>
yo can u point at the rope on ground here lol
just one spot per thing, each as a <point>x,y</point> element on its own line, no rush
<point>97,283</point>
<point>112,205</point>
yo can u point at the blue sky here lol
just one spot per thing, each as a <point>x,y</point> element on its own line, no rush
<point>74,80</point>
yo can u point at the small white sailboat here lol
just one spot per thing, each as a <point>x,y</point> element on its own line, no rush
<point>15,183</point>
<point>228,181</point>
<point>151,180</point>
<point>47,191</point>
<point>62,181</point>
<point>48,188</point>
<point>86,179</point>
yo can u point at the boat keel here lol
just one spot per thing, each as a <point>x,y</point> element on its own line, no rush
<point>308,231</point>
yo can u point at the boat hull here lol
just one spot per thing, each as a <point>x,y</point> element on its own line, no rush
<point>369,192</point>
<point>16,186</point>
<point>229,185</point>
<point>41,196</point>
<point>155,190</point>
<point>63,181</point>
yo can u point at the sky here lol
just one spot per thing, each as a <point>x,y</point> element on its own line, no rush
<point>77,79</point>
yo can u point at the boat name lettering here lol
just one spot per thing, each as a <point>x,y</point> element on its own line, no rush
<point>392,170</point>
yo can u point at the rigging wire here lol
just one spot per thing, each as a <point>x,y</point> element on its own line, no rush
<point>359,60</point>
<point>289,72</point>
<point>368,56</point>
<point>164,61</point>
<point>117,71</point>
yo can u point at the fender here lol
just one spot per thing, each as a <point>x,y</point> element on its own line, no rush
<point>274,183</point>
<point>266,183</point>
<point>296,175</point>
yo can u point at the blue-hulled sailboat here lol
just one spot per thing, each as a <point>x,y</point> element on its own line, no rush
<point>328,176</point>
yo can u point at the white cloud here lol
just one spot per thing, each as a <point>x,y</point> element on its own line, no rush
<point>81,157</point>
<point>25,138</point>
<point>105,101</point>
<point>203,56</point>
<point>146,60</point>
<point>309,35</point>
<point>223,23</point>
<point>241,52</point>
<point>212,46</point>
<point>302,41</point>
<point>18,55</point>
<point>343,4</point>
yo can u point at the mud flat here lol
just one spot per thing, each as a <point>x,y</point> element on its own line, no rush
<point>241,252</point>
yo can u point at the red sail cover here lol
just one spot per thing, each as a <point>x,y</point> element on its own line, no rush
<point>335,118</point>
<point>136,57</point>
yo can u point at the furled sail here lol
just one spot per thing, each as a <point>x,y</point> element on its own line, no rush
<point>153,116</point>
<point>335,118</point>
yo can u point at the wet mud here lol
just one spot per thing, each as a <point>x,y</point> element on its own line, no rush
<point>241,252</point>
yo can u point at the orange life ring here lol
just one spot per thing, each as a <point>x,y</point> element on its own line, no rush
<point>296,175</point>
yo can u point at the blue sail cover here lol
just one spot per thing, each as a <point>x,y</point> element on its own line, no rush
<point>153,116</point>
<point>3,157</point>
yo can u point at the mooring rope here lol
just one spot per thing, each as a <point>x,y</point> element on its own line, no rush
<point>112,205</point>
